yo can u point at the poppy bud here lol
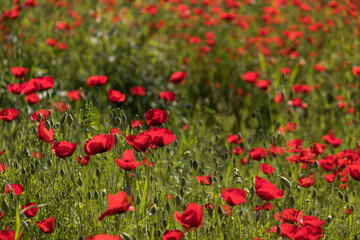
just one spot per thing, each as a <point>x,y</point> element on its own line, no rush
<point>182,192</point>
<point>138,200</point>
<point>126,236</point>
<point>341,195</point>
<point>153,209</point>
<point>183,182</point>
<point>278,230</point>
<point>164,223</point>
<point>23,171</point>
<point>62,172</point>
<point>49,163</point>
<point>98,173</point>
<point>89,195</point>
<point>178,200</point>
<point>258,215</point>
<point>47,125</point>
<point>156,200</point>
<point>195,165</point>
<point>356,237</point>
<point>80,183</point>
<point>314,193</point>
<point>346,198</point>
<point>62,119</point>
<point>286,182</point>
<point>292,201</point>
<point>96,194</point>
<point>328,219</point>
<point>316,165</point>
<point>70,119</point>
<point>210,211</point>
<point>104,193</point>
<point>220,211</point>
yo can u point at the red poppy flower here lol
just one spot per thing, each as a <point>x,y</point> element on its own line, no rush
<point>38,155</point>
<point>266,190</point>
<point>156,117</point>
<point>134,123</point>
<point>354,171</point>
<point>285,71</point>
<point>19,72</point>
<point>32,98</point>
<point>266,206</point>
<point>62,107</point>
<point>168,96</point>
<point>97,80</point>
<point>141,142</point>
<point>3,167</point>
<point>234,139</point>
<point>297,102</point>
<point>116,96</point>
<point>267,168</point>
<point>331,139</point>
<point>47,225</point>
<point>161,137</point>
<point>306,182</point>
<point>64,149</point>
<point>117,203</point>
<point>127,161</point>
<point>113,131</point>
<point>318,148</point>
<point>30,3</point>
<point>258,153</point>
<point>263,84</point>
<point>178,77</point>
<point>192,216</point>
<point>138,91</point>
<point>31,212</point>
<point>234,196</point>
<point>43,113</point>
<point>173,235</point>
<point>42,83</point>
<point>9,114</point>
<point>237,150</point>
<point>74,95</point>
<point>348,211</point>
<point>99,144</point>
<point>250,76</point>
<point>9,235</point>
<point>104,237</point>
<point>51,42</point>
<point>319,68</point>
<point>289,216</point>
<point>204,180</point>
<point>275,151</point>
<point>278,98</point>
<point>14,88</point>
<point>356,71</point>
<point>83,160</point>
<point>16,188</point>
<point>44,134</point>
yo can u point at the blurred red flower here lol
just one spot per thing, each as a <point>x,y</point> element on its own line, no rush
<point>178,77</point>
<point>156,117</point>
<point>47,225</point>
<point>97,80</point>
<point>192,216</point>
<point>138,91</point>
<point>99,144</point>
<point>116,96</point>
<point>44,134</point>
<point>168,96</point>
<point>173,235</point>
<point>104,237</point>
<point>266,190</point>
<point>19,72</point>
<point>31,212</point>
<point>117,203</point>
<point>9,114</point>
<point>64,149</point>
<point>234,196</point>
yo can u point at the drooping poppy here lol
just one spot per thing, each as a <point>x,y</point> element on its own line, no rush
<point>44,134</point>
<point>234,196</point>
<point>173,235</point>
<point>64,149</point>
<point>30,212</point>
<point>47,225</point>
<point>99,144</point>
<point>192,217</point>
<point>117,203</point>
<point>156,117</point>
<point>127,161</point>
<point>266,190</point>
<point>116,96</point>
<point>9,114</point>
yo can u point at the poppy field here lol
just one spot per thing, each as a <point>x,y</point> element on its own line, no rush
<point>179,119</point>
